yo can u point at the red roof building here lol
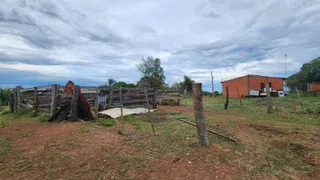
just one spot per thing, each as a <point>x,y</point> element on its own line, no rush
<point>251,85</point>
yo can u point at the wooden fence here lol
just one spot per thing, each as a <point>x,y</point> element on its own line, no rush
<point>52,98</point>
<point>171,98</point>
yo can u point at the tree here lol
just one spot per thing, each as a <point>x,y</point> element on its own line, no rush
<point>124,84</point>
<point>187,83</point>
<point>149,81</point>
<point>5,96</point>
<point>152,71</point>
<point>309,72</point>
<point>111,82</point>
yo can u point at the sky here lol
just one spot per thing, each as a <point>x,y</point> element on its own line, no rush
<point>53,41</point>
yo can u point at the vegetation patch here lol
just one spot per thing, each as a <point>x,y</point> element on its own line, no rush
<point>5,146</point>
<point>107,122</point>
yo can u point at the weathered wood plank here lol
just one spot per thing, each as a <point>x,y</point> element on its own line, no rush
<point>54,98</point>
<point>74,103</point>
<point>199,114</point>
<point>15,103</point>
<point>227,98</point>
<point>149,113</point>
<point>18,88</point>
<point>11,103</point>
<point>96,103</point>
<point>268,97</point>
<point>35,102</point>
<point>154,98</point>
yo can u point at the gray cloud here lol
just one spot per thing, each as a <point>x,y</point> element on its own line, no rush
<point>95,41</point>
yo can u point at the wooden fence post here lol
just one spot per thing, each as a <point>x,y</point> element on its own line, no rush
<point>74,103</point>
<point>96,103</point>
<point>54,98</point>
<point>239,96</point>
<point>18,88</point>
<point>227,98</point>
<point>298,94</point>
<point>15,103</point>
<point>269,97</point>
<point>11,103</point>
<point>150,118</point>
<point>199,114</point>
<point>35,101</point>
<point>121,103</point>
<point>154,98</point>
<point>110,97</point>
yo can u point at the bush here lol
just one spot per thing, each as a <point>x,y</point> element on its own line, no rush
<point>4,112</point>
<point>308,110</point>
<point>4,96</point>
<point>216,94</point>
<point>44,118</point>
<point>107,122</point>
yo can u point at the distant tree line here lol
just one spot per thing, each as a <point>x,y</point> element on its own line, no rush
<point>153,77</point>
<point>5,96</point>
<point>309,73</point>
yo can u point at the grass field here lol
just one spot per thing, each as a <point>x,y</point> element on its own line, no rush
<point>282,145</point>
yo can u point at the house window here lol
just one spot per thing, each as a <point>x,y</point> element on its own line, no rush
<point>263,85</point>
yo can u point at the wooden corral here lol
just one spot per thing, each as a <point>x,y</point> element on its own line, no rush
<point>169,98</point>
<point>75,102</point>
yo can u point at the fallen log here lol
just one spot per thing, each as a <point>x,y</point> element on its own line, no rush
<point>211,131</point>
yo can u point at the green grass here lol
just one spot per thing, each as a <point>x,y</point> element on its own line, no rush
<point>27,133</point>
<point>5,146</point>
<point>280,144</point>
<point>107,122</point>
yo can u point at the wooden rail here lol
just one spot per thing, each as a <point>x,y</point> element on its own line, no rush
<point>54,97</point>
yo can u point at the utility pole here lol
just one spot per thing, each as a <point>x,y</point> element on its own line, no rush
<point>285,56</point>
<point>212,83</point>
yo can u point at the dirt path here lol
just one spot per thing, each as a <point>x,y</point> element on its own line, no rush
<point>89,151</point>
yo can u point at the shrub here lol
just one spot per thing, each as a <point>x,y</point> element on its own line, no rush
<point>44,118</point>
<point>107,122</point>
<point>308,110</point>
<point>4,113</point>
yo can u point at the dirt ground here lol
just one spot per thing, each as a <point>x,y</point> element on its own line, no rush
<point>63,151</point>
<point>41,150</point>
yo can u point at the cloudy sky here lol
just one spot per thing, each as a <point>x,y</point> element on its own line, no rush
<point>52,41</point>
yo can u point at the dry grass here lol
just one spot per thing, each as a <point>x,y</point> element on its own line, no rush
<point>284,144</point>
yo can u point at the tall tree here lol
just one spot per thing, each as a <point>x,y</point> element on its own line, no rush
<point>187,83</point>
<point>153,73</point>
<point>309,72</point>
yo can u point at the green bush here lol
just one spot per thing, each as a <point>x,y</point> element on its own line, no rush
<point>44,118</point>
<point>308,110</point>
<point>107,122</point>
<point>4,123</point>
<point>4,113</point>
<point>4,96</point>
<point>216,94</point>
